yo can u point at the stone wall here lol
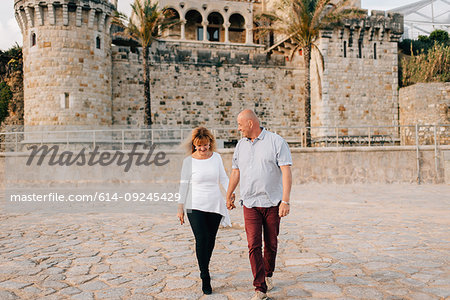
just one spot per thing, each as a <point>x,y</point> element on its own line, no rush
<point>67,62</point>
<point>365,165</point>
<point>325,166</point>
<point>73,77</point>
<point>197,86</point>
<point>359,75</point>
<point>425,104</point>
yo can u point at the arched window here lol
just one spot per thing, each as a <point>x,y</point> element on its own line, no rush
<point>98,43</point>
<point>33,39</point>
<point>193,25</point>
<point>173,32</point>
<point>237,29</point>
<point>215,27</point>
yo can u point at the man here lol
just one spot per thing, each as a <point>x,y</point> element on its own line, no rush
<point>262,165</point>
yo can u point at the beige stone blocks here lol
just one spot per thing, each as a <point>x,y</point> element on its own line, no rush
<point>425,104</point>
<point>192,94</point>
<point>62,61</point>
<point>357,91</point>
<point>364,165</point>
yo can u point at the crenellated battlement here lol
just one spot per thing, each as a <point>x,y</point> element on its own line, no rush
<point>208,66</point>
<point>377,26</point>
<point>67,60</point>
<point>172,53</point>
<point>359,79</point>
<point>93,14</point>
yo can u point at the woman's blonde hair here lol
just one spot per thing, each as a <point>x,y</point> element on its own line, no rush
<point>201,135</point>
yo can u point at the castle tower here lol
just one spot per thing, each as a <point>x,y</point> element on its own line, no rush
<point>67,61</point>
<point>358,83</point>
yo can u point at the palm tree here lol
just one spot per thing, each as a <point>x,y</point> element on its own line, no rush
<point>146,23</point>
<point>301,22</point>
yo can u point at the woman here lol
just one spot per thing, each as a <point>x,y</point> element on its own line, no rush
<point>200,195</point>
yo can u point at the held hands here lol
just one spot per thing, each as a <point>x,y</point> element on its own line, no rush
<point>230,201</point>
<point>180,215</point>
<point>283,209</point>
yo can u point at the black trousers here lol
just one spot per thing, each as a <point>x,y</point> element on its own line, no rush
<point>204,226</point>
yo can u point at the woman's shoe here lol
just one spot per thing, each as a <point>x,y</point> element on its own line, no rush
<point>206,286</point>
<point>260,296</point>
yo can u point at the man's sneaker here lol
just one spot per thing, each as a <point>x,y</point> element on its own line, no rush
<point>260,295</point>
<point>269,283</point>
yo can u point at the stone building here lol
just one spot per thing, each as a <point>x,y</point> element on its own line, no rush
<point>204,70</point>
<point>359,84</point>
<point>67,61</point>
<point>214,21</point>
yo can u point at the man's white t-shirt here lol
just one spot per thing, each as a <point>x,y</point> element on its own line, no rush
<point>199,186</point>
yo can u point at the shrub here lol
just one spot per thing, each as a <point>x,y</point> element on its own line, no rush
<point>424,43</point>
<point>414,47</point>
<point>5,97</point>
<point>430,66</point>
<point>439,36</point>
<point>10,60</point>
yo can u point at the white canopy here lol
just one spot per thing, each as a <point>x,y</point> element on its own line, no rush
<point>425,16</point>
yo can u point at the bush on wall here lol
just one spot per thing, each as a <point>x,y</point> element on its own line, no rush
<point>5,96</point>
<point>426,59</point>
<point>431,66</point>
<point>424,43</point>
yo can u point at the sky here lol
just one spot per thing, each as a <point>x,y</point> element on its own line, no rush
<point>10,31</point>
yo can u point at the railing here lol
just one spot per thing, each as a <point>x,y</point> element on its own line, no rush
<point>124,139</point>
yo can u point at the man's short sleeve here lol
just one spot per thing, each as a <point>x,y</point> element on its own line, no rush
<point>234,161</point>
<point>284,157</point>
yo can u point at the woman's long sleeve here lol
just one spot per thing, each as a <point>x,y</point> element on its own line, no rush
<point>223,178</point>
<point>185,180</point>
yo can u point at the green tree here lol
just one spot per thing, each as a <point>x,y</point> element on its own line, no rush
<point>431,66</point>
<point>146,23</point>
<point>5,96</point>
<point>301,22</point>
<point>10,60</point>
<point>439,36</point>
<point>415,47</point>
<point>424,43</point>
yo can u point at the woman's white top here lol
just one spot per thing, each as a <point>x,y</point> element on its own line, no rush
<point>199,186</point>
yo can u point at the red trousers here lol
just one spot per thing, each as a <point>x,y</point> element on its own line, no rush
<point>257,221</point>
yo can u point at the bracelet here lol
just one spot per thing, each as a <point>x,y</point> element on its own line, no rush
<point>285,202</point>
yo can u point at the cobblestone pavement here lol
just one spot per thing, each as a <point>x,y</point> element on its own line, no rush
<point>339,242</point>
